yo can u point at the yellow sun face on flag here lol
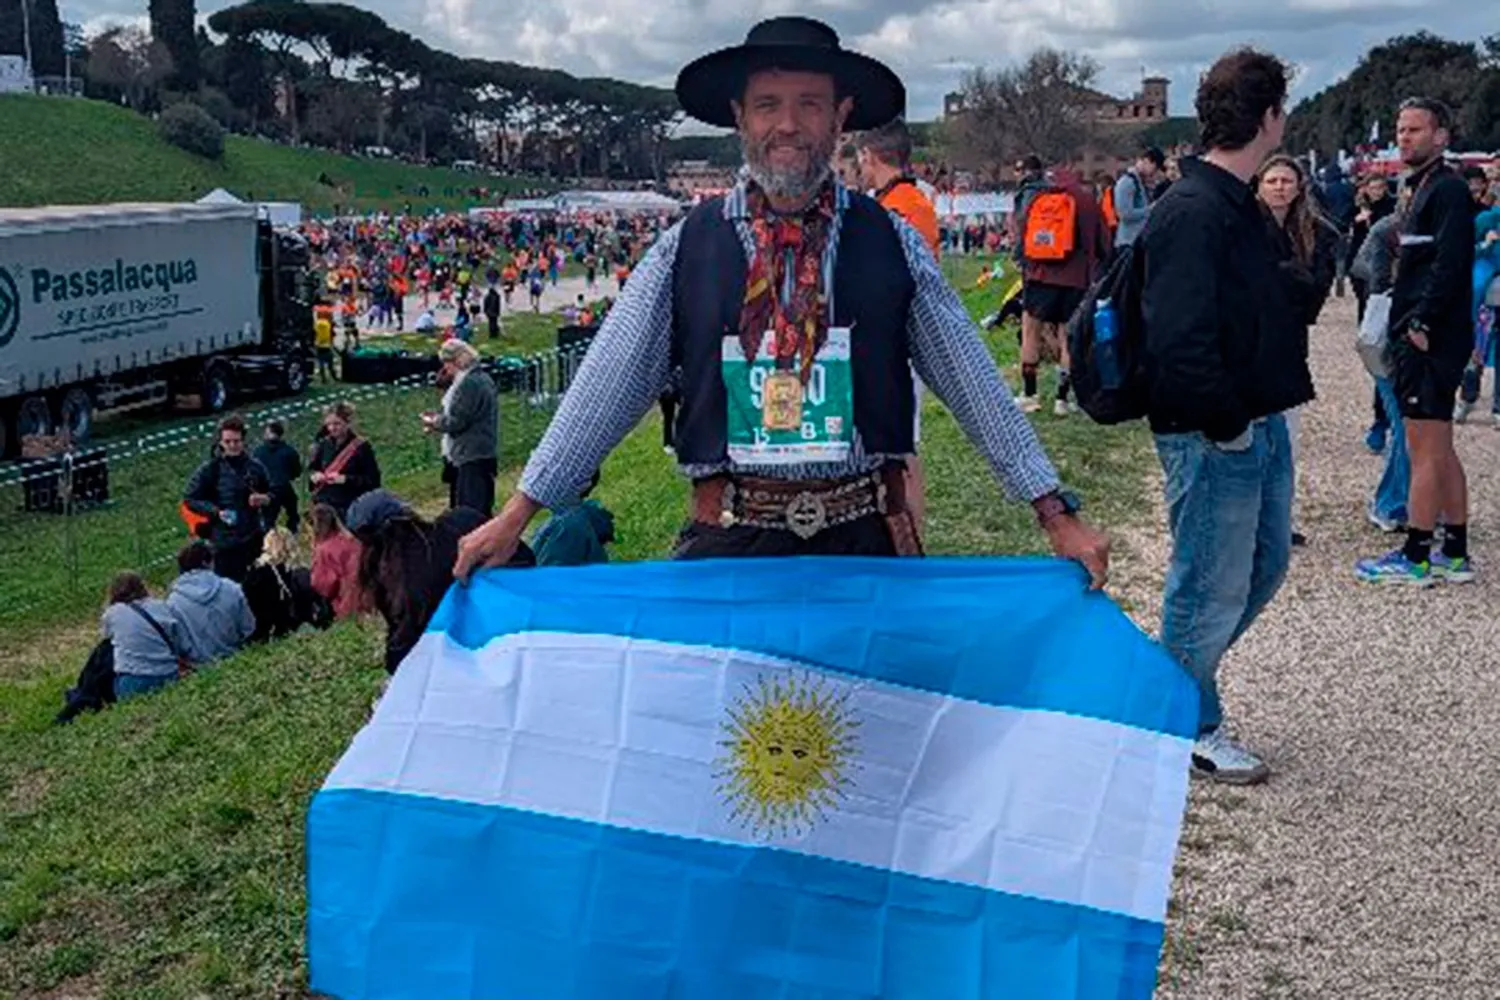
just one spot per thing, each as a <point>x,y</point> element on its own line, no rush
<point>788,749</point>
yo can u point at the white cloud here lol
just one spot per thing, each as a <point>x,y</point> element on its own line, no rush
<point>929,44</point>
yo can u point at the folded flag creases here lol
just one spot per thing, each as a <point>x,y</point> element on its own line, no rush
<point>809,778</point>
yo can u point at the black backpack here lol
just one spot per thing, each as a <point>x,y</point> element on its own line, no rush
<point>1129,397</point>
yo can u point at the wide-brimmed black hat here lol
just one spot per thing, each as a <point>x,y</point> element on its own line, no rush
<point>707,85</point>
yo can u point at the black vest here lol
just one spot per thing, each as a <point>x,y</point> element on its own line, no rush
<point>873,290</point>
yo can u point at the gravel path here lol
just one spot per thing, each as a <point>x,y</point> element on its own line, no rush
<point>1369,866</point>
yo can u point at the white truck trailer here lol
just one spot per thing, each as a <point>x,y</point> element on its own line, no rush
<point>107,308</point>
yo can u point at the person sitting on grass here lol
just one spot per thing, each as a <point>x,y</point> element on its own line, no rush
<point>281,593</point>
<point>215,616</point>
<point>576,536</point>
<point>406,565</point>
<point>335,564</point>
<point>147,639</point>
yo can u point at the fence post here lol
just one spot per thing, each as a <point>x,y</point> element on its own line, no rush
<point>137,466</point>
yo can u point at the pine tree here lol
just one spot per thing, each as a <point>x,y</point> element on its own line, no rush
<point>172,25</point>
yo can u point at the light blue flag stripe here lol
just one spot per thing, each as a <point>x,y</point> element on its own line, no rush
<point>1016,632</point>
<point>484,903</point>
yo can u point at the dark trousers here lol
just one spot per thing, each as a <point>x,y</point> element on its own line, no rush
<point>867,536</point>
<point>494,325</point>
<point>472,485</point>
<point>283,497</point>
<point>668,404</point>
<point>233,561</point>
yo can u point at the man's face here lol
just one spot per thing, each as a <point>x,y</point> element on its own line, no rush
<point>1375,189</point>
<point>1418,136</point>
<point>1146,168</point>
<point>1477,187</point>
<point>789,124</point>
<point>232,443</point>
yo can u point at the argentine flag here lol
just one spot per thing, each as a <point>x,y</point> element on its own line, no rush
<point>780,779</point>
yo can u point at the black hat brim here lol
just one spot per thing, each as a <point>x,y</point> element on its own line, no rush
<point>707,86</point>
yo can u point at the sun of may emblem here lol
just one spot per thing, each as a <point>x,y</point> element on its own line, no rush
<point>788,749</point>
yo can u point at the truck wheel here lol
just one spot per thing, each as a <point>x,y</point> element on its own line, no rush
<point>34,417</point>
<point>294,379</point>
<point>76,414</point>
<point>216,389</point>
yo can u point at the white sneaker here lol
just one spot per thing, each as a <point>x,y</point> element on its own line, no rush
<point>1028,404</point>
<point>1219,758</point>
<point>1461,411</point>
<point>1495,420</point>
<point>1061,408</point>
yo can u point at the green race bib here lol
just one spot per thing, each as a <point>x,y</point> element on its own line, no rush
<point>759,431</point>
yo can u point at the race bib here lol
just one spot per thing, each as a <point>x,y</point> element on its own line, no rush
<point>773,419</point>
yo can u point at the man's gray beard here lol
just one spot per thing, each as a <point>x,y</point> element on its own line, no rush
<point>787,184</point>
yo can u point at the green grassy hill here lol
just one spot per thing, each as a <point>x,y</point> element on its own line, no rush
<point>58,150</point>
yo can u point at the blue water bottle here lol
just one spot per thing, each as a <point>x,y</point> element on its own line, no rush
<point>1106,346</point>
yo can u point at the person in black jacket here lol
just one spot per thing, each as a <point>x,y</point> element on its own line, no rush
<point>232,490</point>
<point>284,467</point>
<point>1431,340</point>
<point>343,466</point>
<point>1226,355</point>
<point>1306,247</point>
<point>1373,204</point>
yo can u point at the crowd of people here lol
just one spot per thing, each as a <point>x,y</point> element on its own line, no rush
<point>737,321</point>
<point>469,265</point>
<point>243,579</point>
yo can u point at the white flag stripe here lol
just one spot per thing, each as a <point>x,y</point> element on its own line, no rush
<point>630,732</point>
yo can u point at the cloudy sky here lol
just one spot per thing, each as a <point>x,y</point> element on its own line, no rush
<point>929,43</point>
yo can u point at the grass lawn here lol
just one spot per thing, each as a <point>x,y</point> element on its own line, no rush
<point>68,151</point>
<point>156,850</point>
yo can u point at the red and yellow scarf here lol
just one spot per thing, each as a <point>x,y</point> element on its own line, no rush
<point>799,326</point>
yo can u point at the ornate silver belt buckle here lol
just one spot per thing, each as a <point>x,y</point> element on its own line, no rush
<point>806,515</point>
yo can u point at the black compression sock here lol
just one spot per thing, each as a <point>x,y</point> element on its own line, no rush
<point>1418,546</point>
<point>1028,380</point>
<point>1456,541</point>
<point>1064,383</point>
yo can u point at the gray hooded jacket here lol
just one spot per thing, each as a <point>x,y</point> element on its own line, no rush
<point>215,616</point>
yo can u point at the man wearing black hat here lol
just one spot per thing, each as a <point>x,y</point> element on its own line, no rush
<point>794,311</point>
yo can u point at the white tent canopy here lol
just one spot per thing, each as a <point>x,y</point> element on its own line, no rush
<point>218,196</point>
<point>277,213</point>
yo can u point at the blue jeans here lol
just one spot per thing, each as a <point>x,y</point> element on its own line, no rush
<point>1231,518</point>
<point>1395,481</point>
<point>130,685</point>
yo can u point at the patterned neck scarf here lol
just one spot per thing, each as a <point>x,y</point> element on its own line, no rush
<point>799,326</point>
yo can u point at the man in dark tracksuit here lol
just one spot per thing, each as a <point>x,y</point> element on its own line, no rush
<point>1431,340</point>
<point>283,467</point>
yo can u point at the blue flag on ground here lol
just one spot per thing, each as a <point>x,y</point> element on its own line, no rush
<point>836,778</point>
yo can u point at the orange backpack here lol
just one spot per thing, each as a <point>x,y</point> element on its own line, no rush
<point>1107,208</point>
<point>1051,227</point>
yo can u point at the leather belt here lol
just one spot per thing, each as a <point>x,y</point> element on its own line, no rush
<point>803,507</point>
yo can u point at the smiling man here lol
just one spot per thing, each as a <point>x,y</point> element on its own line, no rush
<point>796,311</point>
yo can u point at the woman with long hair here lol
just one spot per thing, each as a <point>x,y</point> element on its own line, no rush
<point>335,564</point>
<point>1305,245</point>
<point>343,466</point>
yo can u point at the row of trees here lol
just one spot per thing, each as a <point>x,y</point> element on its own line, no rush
<point>1464,75</point>
<point>1044,105</point>
<point>336,75</point>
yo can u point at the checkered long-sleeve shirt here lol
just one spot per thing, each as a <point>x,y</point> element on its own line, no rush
<point>625,372</point>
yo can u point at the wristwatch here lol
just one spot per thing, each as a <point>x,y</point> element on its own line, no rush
<point>1055,505</point>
